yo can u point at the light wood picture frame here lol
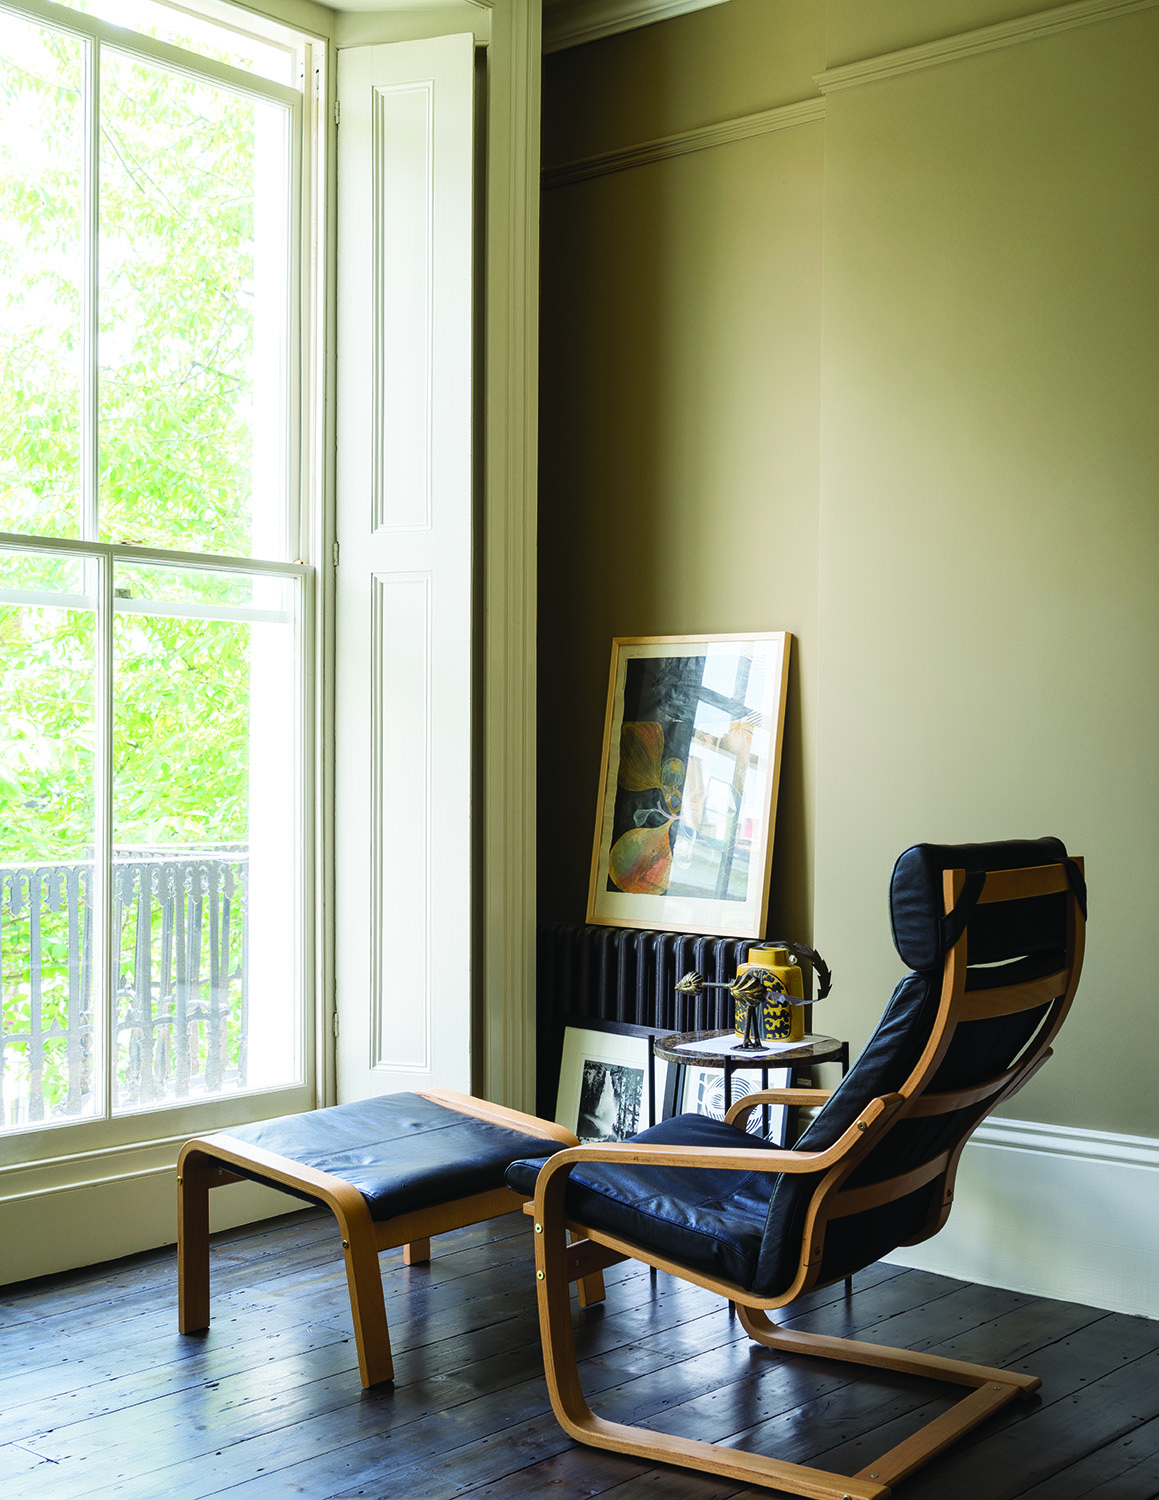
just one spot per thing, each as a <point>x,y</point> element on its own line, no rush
<point>688,783</point>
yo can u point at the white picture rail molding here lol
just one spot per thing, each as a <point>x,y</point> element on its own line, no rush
<point>568,23</point>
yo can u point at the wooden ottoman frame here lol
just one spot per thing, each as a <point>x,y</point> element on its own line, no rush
<point>207,1161</point>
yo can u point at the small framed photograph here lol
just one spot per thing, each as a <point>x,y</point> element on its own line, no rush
<point>606,1081</point>
<point>688,783</point>
<point>703,1094</point>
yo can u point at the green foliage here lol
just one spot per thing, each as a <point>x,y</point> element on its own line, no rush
<point>41,272</point>
<point>176,323</point>
<point>177,166</point>
<point>46,734</point>
<point>181,167</point>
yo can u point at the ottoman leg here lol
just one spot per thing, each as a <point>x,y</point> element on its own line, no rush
<point>590,1289</point>
<point>416,1252</point>
<point>364,1279</point>
<point>193,1173</point>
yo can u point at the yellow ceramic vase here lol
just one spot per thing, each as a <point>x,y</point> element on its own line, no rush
<point>780,1021</point>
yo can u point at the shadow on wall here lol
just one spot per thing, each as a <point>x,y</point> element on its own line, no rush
<point>599,499</point>
<point>624,519</point>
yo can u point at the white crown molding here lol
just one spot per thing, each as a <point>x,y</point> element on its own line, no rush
<point>1056,1212</point>
<point>568,23</point>
<point>784,117</point>
<point>973,43</point>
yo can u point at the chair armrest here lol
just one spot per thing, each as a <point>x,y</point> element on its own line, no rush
<point>552,1179</point>
<point>791,1097</point>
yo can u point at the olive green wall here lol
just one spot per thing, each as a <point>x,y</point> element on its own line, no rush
<point>950,496</point>
<point>680,332</point>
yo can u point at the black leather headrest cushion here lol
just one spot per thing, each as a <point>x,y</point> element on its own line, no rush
<point>998,931</point>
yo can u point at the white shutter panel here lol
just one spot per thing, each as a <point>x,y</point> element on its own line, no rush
<point>403,601</point>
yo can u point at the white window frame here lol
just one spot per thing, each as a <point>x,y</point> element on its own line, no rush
<point>125,1192</point>
<point>35,1158</point>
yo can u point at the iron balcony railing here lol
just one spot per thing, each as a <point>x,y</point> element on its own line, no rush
<point>181,984</point>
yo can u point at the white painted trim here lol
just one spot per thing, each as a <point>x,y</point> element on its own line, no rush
<point>371,26</point>
<point>1054,1211</point>
<point>974,43</point>
<point>1065,1140</point>
<point>568,23</point>
<point>704,138</point>
<point>83,1223</point>
<point>504,1061</point>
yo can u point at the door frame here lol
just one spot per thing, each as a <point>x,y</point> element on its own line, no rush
<point>506,999</point>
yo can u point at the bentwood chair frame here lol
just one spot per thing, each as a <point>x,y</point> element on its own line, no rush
<point>559,1263</point>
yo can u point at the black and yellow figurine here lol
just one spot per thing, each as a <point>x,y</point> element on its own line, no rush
<point>754,989</point>
<point>768,993</point>
<point>754,992</point>
<point>775,987</point>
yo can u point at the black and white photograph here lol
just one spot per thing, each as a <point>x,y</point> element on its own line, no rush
<point>604,1081</point>
<point>610,1096</point>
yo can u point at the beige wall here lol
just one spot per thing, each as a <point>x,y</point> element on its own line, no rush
<point>964,511</point>
<point>680,325</point>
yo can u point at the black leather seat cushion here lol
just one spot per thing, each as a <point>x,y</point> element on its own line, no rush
<point>401,1151</point>
<point>713,1220</point>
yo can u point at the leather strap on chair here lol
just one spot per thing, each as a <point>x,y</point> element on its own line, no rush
<point>953,924</point>
<point>1077,884</point>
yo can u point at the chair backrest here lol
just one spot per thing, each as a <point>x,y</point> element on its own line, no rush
<point>994,935</point>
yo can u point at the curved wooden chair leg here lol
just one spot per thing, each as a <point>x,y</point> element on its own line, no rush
<point>580,1422</point>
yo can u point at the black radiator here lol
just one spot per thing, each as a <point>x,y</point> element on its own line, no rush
<point>617,974</point>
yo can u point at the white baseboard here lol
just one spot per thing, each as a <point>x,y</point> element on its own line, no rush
<point>83,1224</point>
<point>1056,1212</point>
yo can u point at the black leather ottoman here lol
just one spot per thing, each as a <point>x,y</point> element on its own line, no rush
<point>393,1171</point>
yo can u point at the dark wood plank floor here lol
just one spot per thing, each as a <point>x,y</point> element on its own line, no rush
<point>101,1397</point>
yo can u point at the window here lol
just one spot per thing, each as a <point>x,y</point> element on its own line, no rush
<point>154,616</point>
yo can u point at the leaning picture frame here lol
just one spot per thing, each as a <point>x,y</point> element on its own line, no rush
<point>702,1093</point>
<point>606,1080</point>
<point>688,783</point>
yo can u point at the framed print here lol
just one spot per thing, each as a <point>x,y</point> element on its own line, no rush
<point>702,1093</point>
<point>688,783</point>
<point>605,1081</point>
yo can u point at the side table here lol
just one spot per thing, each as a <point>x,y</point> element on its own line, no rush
<point>717,1049</point>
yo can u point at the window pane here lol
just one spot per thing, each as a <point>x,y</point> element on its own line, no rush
<point>41,278</point>
<point>48,1062</point>
<point>196,34</point>
<point>194,280</point>
<point>205,830</point>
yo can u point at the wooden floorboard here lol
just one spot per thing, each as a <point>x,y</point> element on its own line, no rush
<point>101,1397</point>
